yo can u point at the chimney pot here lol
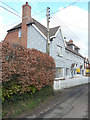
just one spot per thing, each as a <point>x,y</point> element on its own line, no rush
<point>26,3</point>
<point>71,41</point>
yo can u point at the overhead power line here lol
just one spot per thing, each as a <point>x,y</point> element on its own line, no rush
<point>43,11</point>
<point>67,30</point>
<point>10,11</point>
<point>11,25</point>
<point>18,12</point>
<point>39,12</point>
<point>65,7</point>
<point>9,7</point>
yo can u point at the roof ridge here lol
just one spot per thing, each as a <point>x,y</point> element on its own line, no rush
<point>40,26</point>
<point>68,42</point>
<point>15,27</point>
<point>38,22</point>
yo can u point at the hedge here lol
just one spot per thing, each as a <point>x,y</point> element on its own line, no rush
<point>25,70</point>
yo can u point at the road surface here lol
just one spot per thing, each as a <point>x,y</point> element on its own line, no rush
<point>75,105</point>
<point>70,103</point>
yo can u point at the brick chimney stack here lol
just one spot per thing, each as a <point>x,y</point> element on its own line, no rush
<point>26,15</point>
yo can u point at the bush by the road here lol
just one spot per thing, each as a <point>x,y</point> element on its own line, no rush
<point>25,70</point>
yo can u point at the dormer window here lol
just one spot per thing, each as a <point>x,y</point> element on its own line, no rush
<point>71,47</point>
<point>19,33</point>
<point>77,50</point>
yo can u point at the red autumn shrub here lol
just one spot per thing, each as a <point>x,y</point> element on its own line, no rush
<point>29,67</point>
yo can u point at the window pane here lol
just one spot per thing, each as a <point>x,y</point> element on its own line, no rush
<point>19,33</point>
<point>59,72</point>
<point>67,71</point>
<point>59,50</point>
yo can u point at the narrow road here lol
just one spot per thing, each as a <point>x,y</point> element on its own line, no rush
<point>70,103</point>
<point>75,105</point>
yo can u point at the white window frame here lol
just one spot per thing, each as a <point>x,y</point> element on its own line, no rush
<point>62,72</point>
<point>59,50</point>
<point>73,47</point>
<point>67,55</point>
<point>67,71</point>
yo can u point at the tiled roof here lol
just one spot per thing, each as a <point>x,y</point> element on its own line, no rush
<point>70,43</point>
<point>41,27</point>
<point>53,30</point>
<point>16,27</point>
<point>73,51</point>
<point>76,47</point>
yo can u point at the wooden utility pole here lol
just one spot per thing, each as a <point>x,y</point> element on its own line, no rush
<point>48,36</point>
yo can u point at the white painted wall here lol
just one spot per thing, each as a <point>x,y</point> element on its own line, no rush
<point>59,60</point>
<point>73,58</point>
<point>36,40</point>
<point>61,84</point>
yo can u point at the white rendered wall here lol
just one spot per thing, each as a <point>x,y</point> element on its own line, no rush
<point>61,84</point>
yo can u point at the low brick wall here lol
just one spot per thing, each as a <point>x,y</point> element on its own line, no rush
<point>67,83</point>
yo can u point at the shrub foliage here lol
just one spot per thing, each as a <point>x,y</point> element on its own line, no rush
<point>25,70</point>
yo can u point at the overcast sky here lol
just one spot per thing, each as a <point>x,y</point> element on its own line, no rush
<point>72,19</point>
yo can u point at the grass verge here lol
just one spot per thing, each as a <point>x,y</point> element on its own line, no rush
<point>13,109</point>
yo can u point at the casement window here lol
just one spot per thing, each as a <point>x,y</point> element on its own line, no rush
<point>59,50</point>
<point>73,47</point>
<point>74,71</point>
<point>77,50</point>
<point>19,33</point>
<point>59,72</point>
<point>67,55</point>
<point>67,71</point>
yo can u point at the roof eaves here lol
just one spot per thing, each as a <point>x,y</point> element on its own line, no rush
<point>77,47</point>
<point>58,28</point>
<point>13,29</point>
<point>30,23</point>
<point>39,31</point>
<point>74,52</point>
<point>69,43</point>
<point>16,27</point>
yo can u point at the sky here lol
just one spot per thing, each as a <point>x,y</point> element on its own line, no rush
<point>73,19</point>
